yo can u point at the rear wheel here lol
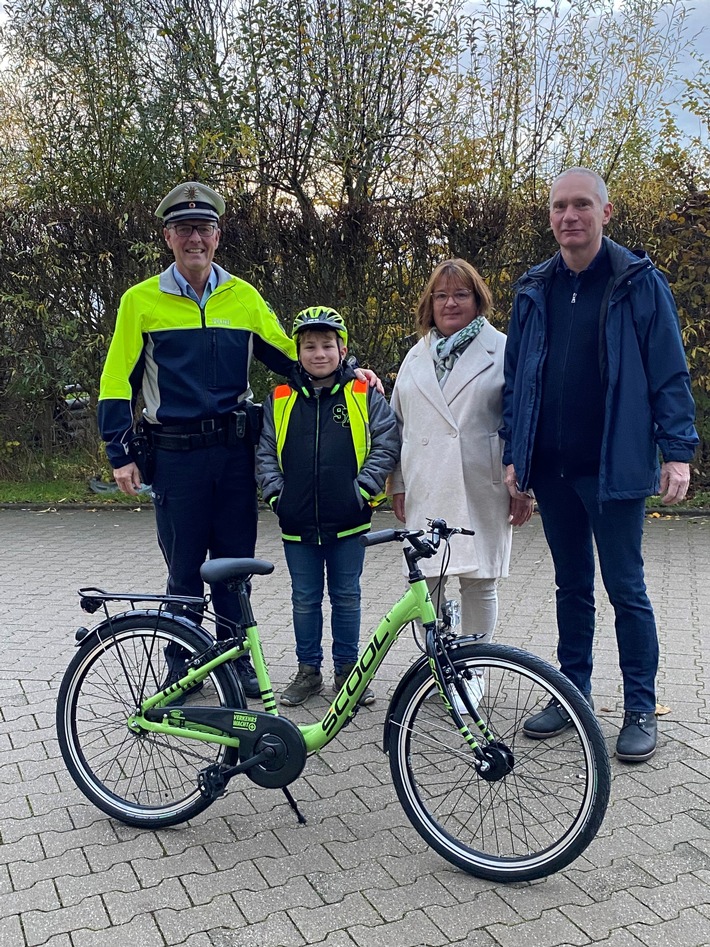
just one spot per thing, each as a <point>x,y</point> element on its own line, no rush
<point>142,779</point>
<point>541,802</point>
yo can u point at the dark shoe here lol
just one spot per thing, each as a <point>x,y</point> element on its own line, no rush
<point>551,721</point>
<point>177,668</point>
<point>366,698</point>
<point>637,737</point>
<point>247,676</point>
<point>308,680</point>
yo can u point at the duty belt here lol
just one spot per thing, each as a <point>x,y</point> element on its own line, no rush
<point>197,434</point>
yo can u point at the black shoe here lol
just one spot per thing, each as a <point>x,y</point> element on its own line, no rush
<point>307,681</point>
<point>551,721</point>
<point>247,676</point>
<point>637,737</point>
<point>177,668</point>
<point>366,698</point>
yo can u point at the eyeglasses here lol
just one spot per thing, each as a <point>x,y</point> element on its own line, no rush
<point>460,296</point>
<point>185,230</point>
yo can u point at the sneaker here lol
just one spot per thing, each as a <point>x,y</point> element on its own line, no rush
<point>366,698</point>
<point>475,688</point>
<point>308,680</point>
<point>551,721</point>
<point>247,676</point>
<point>637,737</point>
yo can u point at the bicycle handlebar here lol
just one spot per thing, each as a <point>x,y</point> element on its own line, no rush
<point>438,531</point>
<point>388,536</point>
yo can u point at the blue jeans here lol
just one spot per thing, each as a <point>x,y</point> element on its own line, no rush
<point>571,517</point>
<point>308,564</point>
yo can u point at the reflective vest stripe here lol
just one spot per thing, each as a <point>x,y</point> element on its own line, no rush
<point>284,400</point>
<point>356,400</point>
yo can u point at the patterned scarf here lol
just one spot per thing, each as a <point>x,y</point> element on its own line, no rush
<point>445,351</point>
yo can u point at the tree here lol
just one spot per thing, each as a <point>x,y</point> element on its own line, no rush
<point>548,84</point>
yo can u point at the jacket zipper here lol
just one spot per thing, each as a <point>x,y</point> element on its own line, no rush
<point>573,300</point>
<point>316,482</point>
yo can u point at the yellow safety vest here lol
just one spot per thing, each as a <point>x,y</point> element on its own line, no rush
<point>356,402</point>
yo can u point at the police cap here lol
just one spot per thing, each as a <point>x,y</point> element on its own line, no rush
<point>190,201</point>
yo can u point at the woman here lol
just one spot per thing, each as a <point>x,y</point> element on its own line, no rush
<point>447,398</point>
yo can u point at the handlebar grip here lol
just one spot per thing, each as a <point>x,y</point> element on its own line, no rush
<point>380,536</point>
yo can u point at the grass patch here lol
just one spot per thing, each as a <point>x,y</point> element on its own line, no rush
<point>62,479</point>
<point>700,500</point>
<point>61,490</point>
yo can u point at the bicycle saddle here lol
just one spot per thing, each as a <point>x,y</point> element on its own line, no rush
<point>221,570</point>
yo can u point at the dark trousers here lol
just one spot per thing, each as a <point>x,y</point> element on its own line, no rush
<point>205,503</point>
<point>572,517</point>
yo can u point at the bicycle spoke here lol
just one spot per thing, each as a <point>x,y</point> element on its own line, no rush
<point>521,818</point>
<point>141,778</point>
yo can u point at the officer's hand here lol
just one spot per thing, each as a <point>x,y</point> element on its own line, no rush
<point>128,479</point>
<point>367,374</point>
<point>675,478</point>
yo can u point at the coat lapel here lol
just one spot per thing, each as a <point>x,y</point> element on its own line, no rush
<point>424,377</point>
<point>476,359</point>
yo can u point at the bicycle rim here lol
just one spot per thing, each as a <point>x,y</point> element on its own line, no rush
<point>525,824</point>
<point>148,779</point>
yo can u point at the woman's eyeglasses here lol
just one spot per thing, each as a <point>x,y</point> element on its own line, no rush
<point>460,296</point>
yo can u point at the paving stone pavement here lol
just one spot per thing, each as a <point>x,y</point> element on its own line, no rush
<point>244,874</point>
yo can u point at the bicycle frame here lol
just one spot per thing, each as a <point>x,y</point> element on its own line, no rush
<point>209,725</point>
<point>415,603</point>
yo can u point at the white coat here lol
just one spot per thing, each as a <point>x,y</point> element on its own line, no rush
<point>451,464</point>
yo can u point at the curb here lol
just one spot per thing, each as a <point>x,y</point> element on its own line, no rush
<point>128,508</point>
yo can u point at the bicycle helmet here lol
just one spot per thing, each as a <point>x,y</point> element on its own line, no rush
<point>317,317</point>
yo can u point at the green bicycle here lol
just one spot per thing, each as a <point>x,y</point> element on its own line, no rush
<point>488,799</point>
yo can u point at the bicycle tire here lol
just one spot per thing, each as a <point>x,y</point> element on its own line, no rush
<point>518,827</point>
<point>147,780</point>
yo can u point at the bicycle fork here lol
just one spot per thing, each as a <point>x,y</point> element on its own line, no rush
<point>494,759</point>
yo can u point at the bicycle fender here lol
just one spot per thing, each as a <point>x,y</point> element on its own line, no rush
<point>105,629</point>
<point>413,669</point>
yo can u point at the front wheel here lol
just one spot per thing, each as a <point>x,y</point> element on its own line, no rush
<point>143,779</point>
<point>534,813</point>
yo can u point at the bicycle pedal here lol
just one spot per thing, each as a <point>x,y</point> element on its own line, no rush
<point>212,782</point>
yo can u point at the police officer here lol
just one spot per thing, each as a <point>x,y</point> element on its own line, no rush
<point>186,339</point>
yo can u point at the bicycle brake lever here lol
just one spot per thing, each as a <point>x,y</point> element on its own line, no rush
<point>440,530</point>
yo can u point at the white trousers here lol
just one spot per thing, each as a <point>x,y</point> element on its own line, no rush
<point>479,603</point>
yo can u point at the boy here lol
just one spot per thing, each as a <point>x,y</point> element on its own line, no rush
<point>326,448</point>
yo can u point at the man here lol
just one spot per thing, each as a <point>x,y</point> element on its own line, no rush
<point>187,337</point>
<point>596,386</point>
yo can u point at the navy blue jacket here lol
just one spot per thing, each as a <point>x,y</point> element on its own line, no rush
<point>648,402</point>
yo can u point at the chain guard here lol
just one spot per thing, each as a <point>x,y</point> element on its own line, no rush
<point>289,747</point>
